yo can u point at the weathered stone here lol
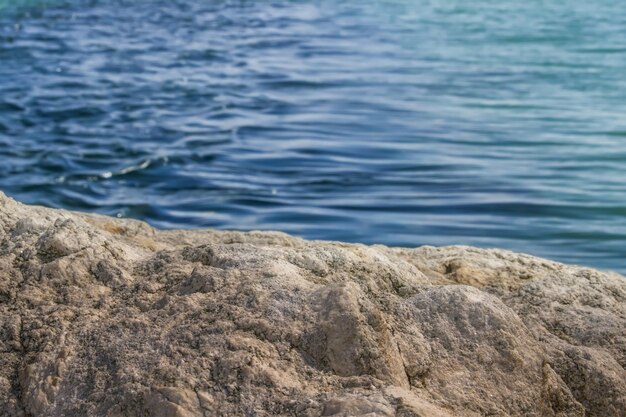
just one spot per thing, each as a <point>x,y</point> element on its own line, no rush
<point>107,317</point>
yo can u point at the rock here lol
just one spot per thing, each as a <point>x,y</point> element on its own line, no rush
<point>111,318</point>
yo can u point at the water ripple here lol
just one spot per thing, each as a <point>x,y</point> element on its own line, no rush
<point>405,123</point>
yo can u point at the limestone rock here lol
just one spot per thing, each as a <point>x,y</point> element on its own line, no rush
<point>112,318</point>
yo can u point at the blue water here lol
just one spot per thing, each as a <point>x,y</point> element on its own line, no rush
<point>489,123</point>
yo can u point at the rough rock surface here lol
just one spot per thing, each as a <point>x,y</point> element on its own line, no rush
<point>106,317</point>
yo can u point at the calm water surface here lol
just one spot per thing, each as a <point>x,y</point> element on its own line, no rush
<point>490,123</point>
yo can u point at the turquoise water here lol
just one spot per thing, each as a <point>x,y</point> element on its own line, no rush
<point>489,123</point>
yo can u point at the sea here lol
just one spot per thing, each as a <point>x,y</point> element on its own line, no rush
<point>494,123</point>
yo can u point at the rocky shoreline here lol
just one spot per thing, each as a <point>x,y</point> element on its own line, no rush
<point>110,317</point>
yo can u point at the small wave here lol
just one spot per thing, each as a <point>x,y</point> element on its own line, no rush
<point>134,168</point>
<point>111,174</point>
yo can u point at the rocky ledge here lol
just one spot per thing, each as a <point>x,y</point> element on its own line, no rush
<point>108,317</point>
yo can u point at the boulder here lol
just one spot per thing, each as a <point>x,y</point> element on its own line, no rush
<point>112,318</point>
